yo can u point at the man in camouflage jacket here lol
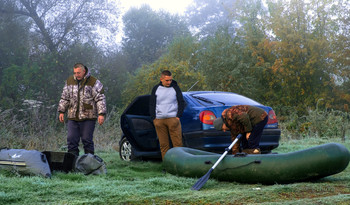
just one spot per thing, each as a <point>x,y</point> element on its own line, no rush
<point>84,101</point>
<point>243,119</point>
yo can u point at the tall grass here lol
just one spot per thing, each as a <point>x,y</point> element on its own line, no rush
<point>315,123</point>
<point>29,129</point>
<point>39,128</point>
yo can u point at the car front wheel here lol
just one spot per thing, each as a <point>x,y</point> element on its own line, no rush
<point>126,152</point>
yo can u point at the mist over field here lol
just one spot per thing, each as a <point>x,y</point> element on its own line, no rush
<point>290,55</point>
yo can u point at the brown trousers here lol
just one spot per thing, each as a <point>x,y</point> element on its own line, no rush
<point>166,127</point>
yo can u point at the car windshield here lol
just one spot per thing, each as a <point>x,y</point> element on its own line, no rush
<point>224,99</point>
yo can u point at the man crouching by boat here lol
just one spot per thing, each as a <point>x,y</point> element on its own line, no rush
<point>246,120</point>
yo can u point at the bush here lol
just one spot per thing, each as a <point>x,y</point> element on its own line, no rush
<point>315,123</point>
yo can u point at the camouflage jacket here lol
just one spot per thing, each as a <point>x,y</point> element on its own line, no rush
<point>83,100</point>
<point>242,118</point>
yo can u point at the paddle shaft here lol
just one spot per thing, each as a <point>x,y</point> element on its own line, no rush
<point>226,151</point>
<point>205,178</point>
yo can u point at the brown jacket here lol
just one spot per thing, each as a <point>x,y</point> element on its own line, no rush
<point>241,119</point>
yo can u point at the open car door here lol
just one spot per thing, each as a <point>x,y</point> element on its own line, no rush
<point>138,127</point>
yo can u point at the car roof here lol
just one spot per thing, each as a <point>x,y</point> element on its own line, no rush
<point>220,98</point>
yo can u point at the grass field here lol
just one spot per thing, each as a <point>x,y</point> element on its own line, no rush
<point>147,183</point>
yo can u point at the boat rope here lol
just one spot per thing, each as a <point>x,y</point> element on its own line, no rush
<point>244,165</point>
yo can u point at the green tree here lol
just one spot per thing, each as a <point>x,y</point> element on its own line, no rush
<point>51,36</point>
<point>340,45</point>
<point>14,40</point>
<point>297,73</point>
<point>148,33</point>
<point>113,74</point>
<point>180,60</point>
<point>250,34</point>
<point>22,82</point>
<point>225,65</point>
<point>57,24</point>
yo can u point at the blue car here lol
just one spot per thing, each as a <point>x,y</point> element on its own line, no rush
<point>139,139</point>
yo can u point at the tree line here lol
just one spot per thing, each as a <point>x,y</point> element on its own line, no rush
<point>288,54</point>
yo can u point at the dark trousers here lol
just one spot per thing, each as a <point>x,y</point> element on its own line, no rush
<point>83,130</point>
<point>255,136</point>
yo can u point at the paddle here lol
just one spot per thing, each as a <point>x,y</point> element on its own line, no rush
<point>205,178</point>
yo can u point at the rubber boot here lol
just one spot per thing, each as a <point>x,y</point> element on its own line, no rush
<point>89,151</point>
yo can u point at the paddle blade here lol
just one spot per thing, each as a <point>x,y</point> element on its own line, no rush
<point>202,180</point>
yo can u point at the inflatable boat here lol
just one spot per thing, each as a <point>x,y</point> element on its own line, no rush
<point>304,165</point>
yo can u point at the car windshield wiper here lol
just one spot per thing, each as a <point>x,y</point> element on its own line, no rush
<point>207,100</point>
<point>203,99</point>
<point>220,102</point>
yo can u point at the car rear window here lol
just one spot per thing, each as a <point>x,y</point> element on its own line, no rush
<point>224,99</point>
<point>140,106</point>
